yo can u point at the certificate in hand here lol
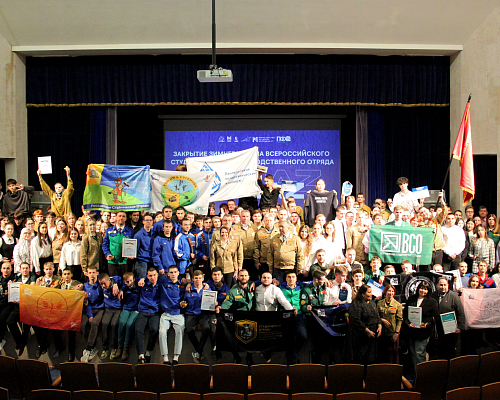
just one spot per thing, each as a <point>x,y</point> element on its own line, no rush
<point>415,316</point>
<point>14,289</point>
<point>377,288</point>
<point>129,248</point>
<point>208,299</point>
<point>449,321</point>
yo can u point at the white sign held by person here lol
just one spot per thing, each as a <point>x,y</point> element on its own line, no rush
<point>481,307</point>
<point>178,188</point>
<point>236,173</point>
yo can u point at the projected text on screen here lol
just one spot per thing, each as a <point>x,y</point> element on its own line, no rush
<point>296,155</point>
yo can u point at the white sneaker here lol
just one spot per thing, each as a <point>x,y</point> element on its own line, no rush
<point>2,343</point>
<point>93,353</point>
<point>86,355</point>
<point>196,357</point>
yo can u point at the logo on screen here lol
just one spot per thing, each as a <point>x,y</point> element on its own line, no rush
<point>217,182</point>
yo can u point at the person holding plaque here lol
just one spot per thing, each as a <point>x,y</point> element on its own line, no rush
<point>449,325</point>
<point>9,312</point>
<point>419,315</point>
<point>196,315</point>
<point>113,242</point>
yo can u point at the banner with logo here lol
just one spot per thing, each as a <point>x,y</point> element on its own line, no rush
<point>255,330</point>
<point>406,284</point>
<point>236,173</point>
<point>394,244</point>
<point>333,319</point>
<point>51,308</point>
<point>190,190</point>
<point>482,308</point>
<point>117,188</point>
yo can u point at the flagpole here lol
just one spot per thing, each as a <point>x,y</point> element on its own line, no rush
<point>449,165</point>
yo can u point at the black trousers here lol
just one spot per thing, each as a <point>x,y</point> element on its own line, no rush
<point>143,319</point>
<point>9,317</point>
<point>191,322</point>
<point>111,317</point>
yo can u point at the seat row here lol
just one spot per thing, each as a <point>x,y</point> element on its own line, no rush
<point>460,372</point>
<point>487,392</point>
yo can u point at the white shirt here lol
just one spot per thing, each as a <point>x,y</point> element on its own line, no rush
<point>406,201</point>
<point>70,255</point>
<point>454,239</point>
<point>268,298</point>
<point>317,243</point>
<point>332,293</point>
<point>340,230</point>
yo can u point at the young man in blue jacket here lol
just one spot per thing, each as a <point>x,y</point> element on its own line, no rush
<point>126,325</point>
<point>203,243</point>
<point>112,310</point>
<point>172,293</point>
<point>144,247</point>
<point>167,212</point>
<point>163,248</point>
<point>195,315</point>
<point>149,307</point>
<point>93,312</point>
<point>184,247</point>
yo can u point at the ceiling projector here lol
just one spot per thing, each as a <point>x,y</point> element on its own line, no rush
<point>215,75</point>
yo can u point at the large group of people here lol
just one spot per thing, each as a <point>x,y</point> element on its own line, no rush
<point>263,257</point>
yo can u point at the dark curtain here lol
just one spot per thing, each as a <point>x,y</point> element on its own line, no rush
<point>485,177</point>
<point>73,137</point>
<point>376,157</point>
<point>411,142</point>
<point>361,185</point>
<point>258,79</point>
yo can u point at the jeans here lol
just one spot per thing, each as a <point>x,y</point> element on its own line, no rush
<point>126,326</point>
<point>300,338</point>
<point>418,351</point>
<point>279,274</point>
<point>141,269</point>
<point>177,321</point>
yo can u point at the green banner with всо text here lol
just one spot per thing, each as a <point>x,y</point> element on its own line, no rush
<point>394,244</point>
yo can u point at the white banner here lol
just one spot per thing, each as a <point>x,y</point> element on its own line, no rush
<point>236,173</point>
<point>176,188</point>
<point>482,308</point>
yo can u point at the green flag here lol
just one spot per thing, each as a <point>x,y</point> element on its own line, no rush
<point>394,244</point>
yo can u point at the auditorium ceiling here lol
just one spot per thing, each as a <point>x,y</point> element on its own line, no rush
<point>76,27</point>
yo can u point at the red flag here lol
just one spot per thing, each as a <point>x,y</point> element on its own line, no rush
<point>462,151</point>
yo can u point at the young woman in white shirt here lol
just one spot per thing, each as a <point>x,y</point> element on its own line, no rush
<point>70,255</point>
<point>41,248</point>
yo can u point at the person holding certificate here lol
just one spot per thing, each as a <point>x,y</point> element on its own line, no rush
<point>451,319</point>
<point>195,315</point>
<point>9,312</point>
<point>420,312</point>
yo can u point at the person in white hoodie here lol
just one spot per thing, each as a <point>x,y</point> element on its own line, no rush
<point>70,255</point>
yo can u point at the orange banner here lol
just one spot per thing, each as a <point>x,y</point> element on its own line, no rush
<point>51,308</point>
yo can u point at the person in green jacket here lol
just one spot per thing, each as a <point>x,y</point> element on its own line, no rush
<point>311,296</point>
<point>292,290</point>
<point>239,298</point>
